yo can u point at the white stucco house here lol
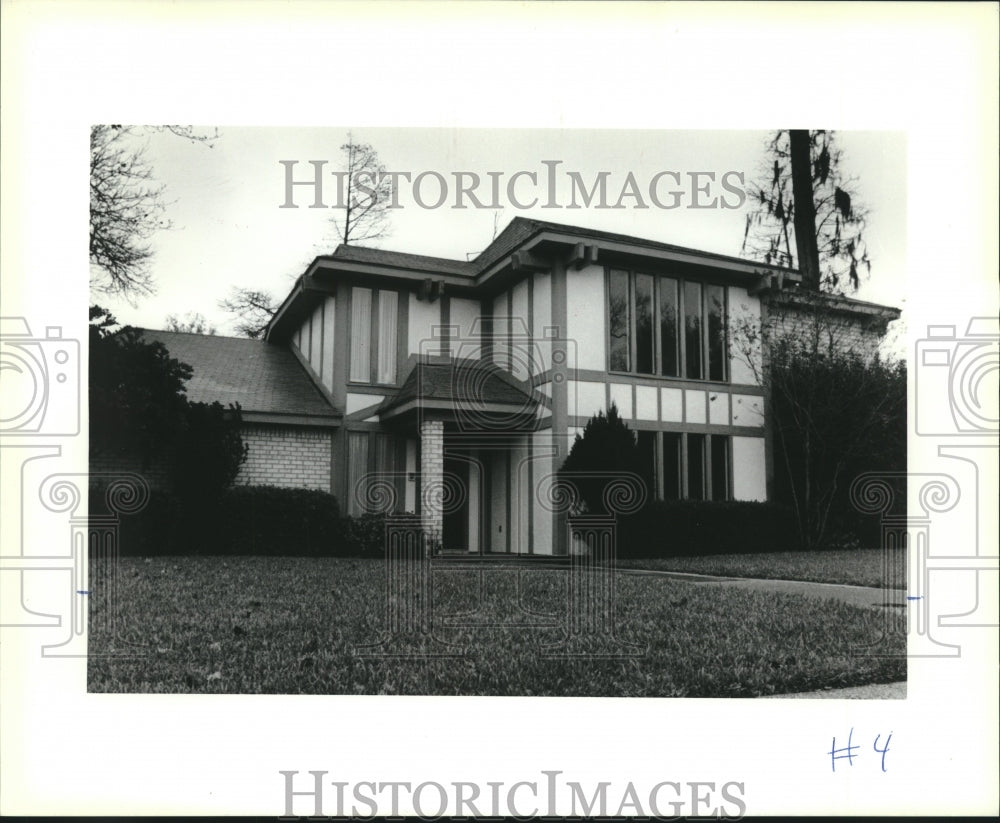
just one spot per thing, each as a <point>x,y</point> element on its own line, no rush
<point>454,389</point>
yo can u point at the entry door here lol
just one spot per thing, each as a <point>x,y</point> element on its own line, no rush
<point>456,519</point>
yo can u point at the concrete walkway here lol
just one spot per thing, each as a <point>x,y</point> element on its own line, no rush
<point>853,595</point>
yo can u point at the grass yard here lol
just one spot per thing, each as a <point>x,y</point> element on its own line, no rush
<point>857,567</point>
<point>295,626</point>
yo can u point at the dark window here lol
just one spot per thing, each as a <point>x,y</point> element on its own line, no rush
<point>357,472</point>
<point>696,466</point>
<point>720,467</point>
<point>692,330</point>
<point>671,466</point>
<point>618,321</point>
<point>645,354</point>
<point>715,312</point>
<point>668,326</point>
<point>646,444</point>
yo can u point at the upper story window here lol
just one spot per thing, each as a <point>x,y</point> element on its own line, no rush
<point>373,335</point>
<point>667,326</point>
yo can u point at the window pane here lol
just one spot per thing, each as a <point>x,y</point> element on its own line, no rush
<point>387,322</point>
<point>715,309</point>
<point>720,467</point>
<point>357,471</point>
<point>646,445</point>
<point>671,466</point>
<point>696,466</point>
<point>692,330</point>
<point>644,356</point>
<point>668,326</point>
<point>618,321</point>
<point>361,335</point>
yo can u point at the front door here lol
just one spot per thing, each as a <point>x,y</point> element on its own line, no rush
<point>455,537</point>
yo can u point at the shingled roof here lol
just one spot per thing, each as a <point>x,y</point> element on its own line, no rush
<point>261,377</point>
<point>471,384</point>
<point>517,232</point>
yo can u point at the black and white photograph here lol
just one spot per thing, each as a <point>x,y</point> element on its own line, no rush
<point>482,409</point>
<point>595,430</point>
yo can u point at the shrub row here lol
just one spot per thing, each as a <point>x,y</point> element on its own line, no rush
<point>692,527</point>
<point>248,520</point>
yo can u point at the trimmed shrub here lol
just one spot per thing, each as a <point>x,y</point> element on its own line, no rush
<point>263,520</point>
<point>681,528</point>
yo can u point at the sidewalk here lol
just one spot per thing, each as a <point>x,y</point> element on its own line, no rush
<point>853,595</point>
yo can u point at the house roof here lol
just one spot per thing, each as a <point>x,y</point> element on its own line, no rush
<point>517,232</point>
<point>262,377</point>
<point>520,234</point>
<point>462,384</point>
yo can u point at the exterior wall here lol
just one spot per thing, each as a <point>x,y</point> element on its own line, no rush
<point>286,456</point>
<point>424,315</point>
<point>585,309</point>
<point>463,315</point>
<point>314,340</point>
<point>292,457</point>
<point>856,332</point>
<point>541,317</point>
<point>749,469</point>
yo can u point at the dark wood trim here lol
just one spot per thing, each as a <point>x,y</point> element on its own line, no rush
<point>560,418</point>
<point>446,324</point>
<point>591,376</point>
<point>402,334</point>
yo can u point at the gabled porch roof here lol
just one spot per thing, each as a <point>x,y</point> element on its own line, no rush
<point>476,393</point>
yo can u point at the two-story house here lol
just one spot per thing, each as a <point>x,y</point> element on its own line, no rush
<point>454,389</point>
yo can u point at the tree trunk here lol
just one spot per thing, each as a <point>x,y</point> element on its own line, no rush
<point>805,209</point>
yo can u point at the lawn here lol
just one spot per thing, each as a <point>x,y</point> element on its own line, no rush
<point>857,567</point>
<point>300,626</point>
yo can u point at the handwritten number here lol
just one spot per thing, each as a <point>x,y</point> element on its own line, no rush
<point>882,751</point>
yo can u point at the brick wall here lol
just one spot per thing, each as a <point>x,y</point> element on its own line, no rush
<point>834,330</point>
<point>431,477</point>
<point>285,456</point>
<point>296,457</point>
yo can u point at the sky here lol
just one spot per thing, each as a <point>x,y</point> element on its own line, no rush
<point>228,228</point>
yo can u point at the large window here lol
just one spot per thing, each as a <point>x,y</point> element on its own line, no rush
<point>371,457</point>
<point>667,326</point>
<point>374,322</point>
<point>694,466</point>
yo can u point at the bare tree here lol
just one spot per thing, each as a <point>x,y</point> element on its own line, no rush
<point>367,193</point>
<point>126,207</point>
<point>193,323</point>
<point>253,309</point>
<point>827,237</point>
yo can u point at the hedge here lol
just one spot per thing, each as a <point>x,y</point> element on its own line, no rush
<point>248,520</point>
<point>693,527</point>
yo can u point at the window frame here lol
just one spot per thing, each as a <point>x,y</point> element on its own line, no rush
<point>710,441</point>
<point>374,337</point>
<point>680,282</point>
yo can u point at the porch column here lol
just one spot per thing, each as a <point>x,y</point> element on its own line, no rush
<point>432,479</point>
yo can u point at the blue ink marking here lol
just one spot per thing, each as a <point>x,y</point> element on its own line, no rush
<point>835,753</point>
<point>884,750</point>
<point>918,597</point>
<point>80,591</point>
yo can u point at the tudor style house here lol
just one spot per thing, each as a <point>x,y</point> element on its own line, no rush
<point>454,389</point>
